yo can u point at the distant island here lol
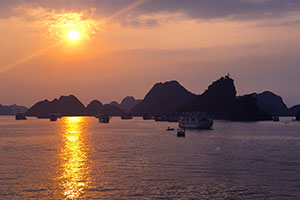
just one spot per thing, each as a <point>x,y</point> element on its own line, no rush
<point>72,106</point>
<point>219,101</point>
<point>165,97</point>
<point>171,98</point>
<point>12,109</point>
<point>127,103</point>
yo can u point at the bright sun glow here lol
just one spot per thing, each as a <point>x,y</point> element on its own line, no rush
<point>63,26</point>
<point>74,35</point>
<point>75,177</point>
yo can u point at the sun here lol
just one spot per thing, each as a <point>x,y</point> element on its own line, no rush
<point>74,35</point>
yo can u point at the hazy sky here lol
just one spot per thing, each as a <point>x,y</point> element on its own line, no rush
<point>125,46</point>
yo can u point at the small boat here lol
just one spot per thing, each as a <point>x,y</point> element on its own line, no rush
<point>103,118</point>
<point>170,129</point>
<point>20,116</point>
<point>125,117</point>
<point>161,118</point>
<point>195,120</point>
<point>181,132</point>
<point>53,117</point>
<point>147,117</point>
<point>275,119</point>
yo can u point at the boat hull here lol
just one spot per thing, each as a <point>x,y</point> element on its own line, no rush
<point>126,117</point>
<point>104,120</point>
<point>20,117</point>
<point>53,119</point>
<point>181,132</point>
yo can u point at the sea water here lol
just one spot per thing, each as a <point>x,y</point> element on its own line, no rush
<point>80,158</point>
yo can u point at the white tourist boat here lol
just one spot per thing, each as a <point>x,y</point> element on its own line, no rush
<point>195,120</point>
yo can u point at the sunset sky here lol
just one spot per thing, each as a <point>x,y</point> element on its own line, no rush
<point>109,49</point>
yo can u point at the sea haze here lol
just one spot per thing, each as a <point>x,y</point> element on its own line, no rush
<point>79,158</point>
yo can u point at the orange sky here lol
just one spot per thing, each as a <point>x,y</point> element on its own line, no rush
<point>114,58</point>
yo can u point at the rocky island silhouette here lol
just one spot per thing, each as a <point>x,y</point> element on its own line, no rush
<point>220,101</point>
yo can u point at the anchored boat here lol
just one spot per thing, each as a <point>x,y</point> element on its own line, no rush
<point>103,118</point>
<point>126,117</point>
<point>275,119</point>
<point>181,132</point>
<point>53,117</point>
<point>147,117</point>
<point>170,129</point>
<point>20,116</point>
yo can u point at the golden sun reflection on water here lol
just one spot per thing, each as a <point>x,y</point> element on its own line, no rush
<point>75,177</point>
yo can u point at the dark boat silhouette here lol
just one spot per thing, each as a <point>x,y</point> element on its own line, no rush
<point>53,117</point>
<point>161,118</point>
<point>275,119</point>
<point>170,129</point>
<point>20,116</point>
<point>103,118</point>
<point>147,117</point>
<point>126,117</point>
<point>181,132</point>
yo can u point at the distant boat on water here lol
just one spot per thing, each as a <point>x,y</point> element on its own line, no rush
<point>20,116</point>
<point>53,117</point>
<point>103,118</point>
<point>170,129</point>
<point>195,120</point>
<point>147,117</point>
<point>275,119</point>
<point>161,118</point>
<point>126,117</point>
<point>181,132</point>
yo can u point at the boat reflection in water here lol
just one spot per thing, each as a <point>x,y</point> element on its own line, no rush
<point>75,166</point>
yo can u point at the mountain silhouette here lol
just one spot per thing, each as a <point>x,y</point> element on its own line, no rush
<point>221,102</point>
<point>246,109</point>
<point>12,109</point>
<point>271,103</point>
<point>163,98</point>
<point>274,104</point>
<point>66,105</point>
<point>96,107</point>
<point>218,100</point>
<point>115,103</point>
<point>294,110</point>
<point>127,103</point>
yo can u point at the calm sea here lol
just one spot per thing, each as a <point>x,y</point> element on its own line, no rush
<point>79,158</point>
